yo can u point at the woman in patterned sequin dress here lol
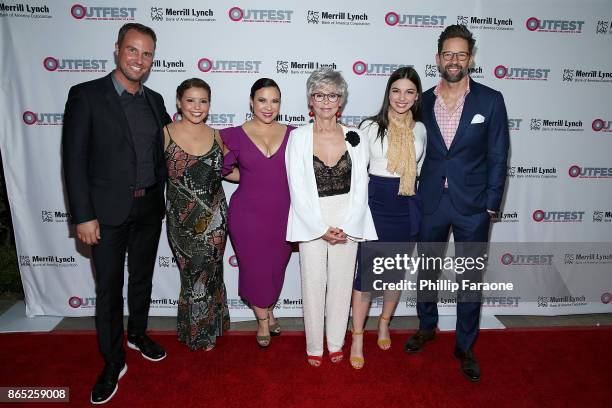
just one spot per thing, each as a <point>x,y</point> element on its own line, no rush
<point>196,217</point>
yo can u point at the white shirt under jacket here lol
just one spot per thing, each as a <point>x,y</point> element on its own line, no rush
<point>378,152</point>
<point>305,221</point>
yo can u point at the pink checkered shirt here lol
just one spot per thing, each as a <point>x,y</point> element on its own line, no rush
<point>448,121</point>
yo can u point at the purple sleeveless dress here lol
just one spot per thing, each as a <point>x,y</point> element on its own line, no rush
<point>257,217</point>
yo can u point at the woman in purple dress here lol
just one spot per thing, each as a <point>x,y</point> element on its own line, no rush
<point>258,210</point>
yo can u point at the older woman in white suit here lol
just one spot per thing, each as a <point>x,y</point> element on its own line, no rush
<point>328,182</point>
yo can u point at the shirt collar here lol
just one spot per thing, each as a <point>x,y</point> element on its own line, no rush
<point>120,88</point>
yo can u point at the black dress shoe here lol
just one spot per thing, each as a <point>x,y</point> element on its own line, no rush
<point>147,347</point>
<point>106,386</point>
<point>469,365</point>
<point>416,342</point>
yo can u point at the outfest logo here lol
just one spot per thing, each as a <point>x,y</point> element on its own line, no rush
<point>394,19</point>
<point>554,26</point>
<point>214,119</point>
<point>601,125</point>
<point>376,69</point>
<point>558,216</point>
<point>514,123</point>
<point>229,66</point>
<point>105,13</point>
<point>238,14</point>
<point>352,120</point>
<point>53,64</point>
<point>521,73</point>
<point>576,171</point>
<point>42,119</point>
<point>510,259</point>
<point>78,302</point>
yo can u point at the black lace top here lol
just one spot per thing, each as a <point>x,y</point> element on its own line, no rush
<point>334,180</point>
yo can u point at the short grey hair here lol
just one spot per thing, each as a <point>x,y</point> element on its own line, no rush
<point>327,76</point>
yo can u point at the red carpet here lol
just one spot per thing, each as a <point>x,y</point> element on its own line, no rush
<point>524,368</point>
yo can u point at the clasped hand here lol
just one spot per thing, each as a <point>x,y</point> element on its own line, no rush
<point>334,236</point>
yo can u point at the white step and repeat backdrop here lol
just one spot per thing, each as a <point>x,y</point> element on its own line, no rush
<point>550,59</point>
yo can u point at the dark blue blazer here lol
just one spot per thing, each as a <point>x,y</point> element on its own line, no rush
<point>475,164</point>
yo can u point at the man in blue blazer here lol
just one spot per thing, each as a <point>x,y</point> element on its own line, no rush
<point>461,184</point>
<point>114,168</point>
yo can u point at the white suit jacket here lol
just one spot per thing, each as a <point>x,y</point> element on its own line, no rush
<point>305,220</point>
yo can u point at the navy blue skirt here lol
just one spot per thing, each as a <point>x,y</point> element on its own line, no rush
<point>397,218</point>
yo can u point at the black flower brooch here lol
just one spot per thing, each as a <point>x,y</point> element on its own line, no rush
<point>352,137</point>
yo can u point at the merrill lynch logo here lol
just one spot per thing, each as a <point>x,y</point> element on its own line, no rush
<point>312,17</point>
<point>463,20</point>
<point>24,260</point>
<point>282,67</point>
<point>602,27</point>
<point>157,14</point>
<point>431,70</point>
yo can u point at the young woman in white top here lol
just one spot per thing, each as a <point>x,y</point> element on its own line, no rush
<point>397,143</point>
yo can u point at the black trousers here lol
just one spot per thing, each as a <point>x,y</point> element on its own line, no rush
<point>138,236</point>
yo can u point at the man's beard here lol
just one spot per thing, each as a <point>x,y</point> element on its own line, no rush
<point>453,78</point>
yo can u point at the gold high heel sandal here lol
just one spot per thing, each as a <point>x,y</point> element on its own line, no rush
<point>262,341</point>
<point>357,362</point>
<point>384,344</point>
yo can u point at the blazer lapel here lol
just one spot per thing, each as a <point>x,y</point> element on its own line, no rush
<point>114,105</point>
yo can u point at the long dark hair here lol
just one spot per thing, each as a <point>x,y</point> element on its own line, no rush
<point>381,118</point>
<point>264,83</point>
